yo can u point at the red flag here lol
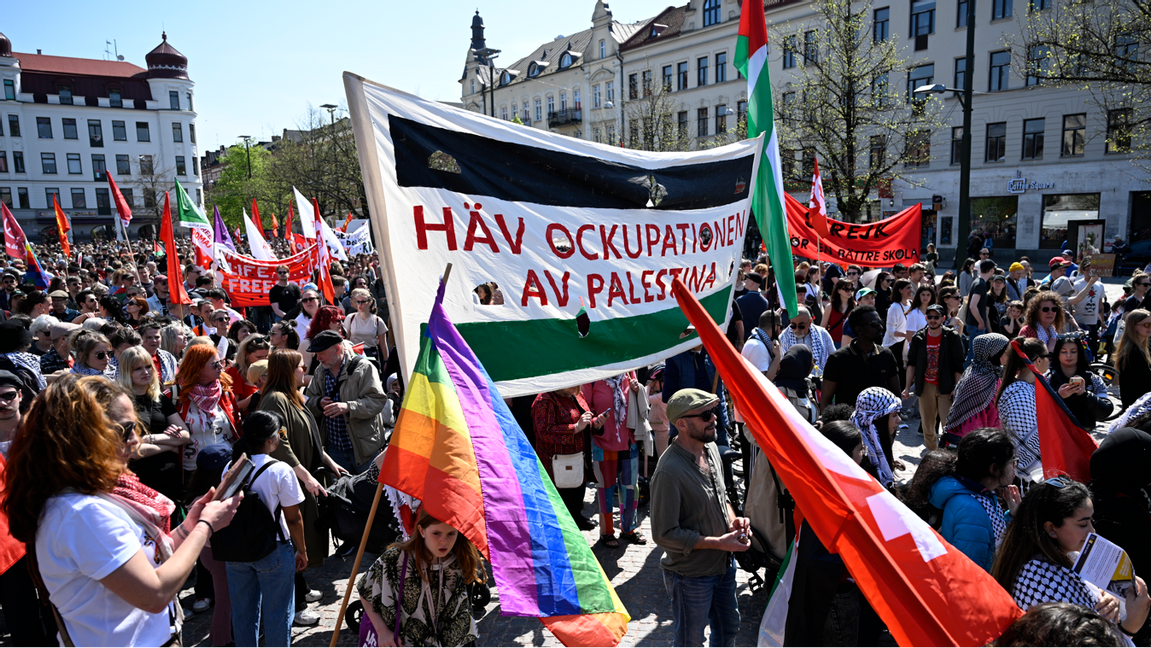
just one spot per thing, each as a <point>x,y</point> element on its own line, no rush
<point>926,591</point>
<point>122,207</point>
<point>275,226</point>
<point>14,238</point>
<point>62,226</point>
<point>255,219</point>
<point>817,208</point>
<point>176,292</point>
<point>344,227</point>
<point>322,258</point>
<point>1064,446</point>
<point>288,222</point>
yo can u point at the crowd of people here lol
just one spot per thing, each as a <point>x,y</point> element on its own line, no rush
<point>121,414</point>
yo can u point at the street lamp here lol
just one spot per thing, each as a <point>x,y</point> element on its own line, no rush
<point>331,108</point>
<point>248,148</point>
<point>607,105</point>
<point>489,55</point>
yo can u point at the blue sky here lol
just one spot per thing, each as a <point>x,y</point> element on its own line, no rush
<point>258,65</point>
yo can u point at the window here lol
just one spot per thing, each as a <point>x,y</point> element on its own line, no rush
<point>149,198</point>
<point>877,152</point>
<point>810,48</point>
<point>95,133</point>
<point>1000,9</point>
<point>145,165</point>
<point>504,113</point>
<point>922,17</point>
<point>996,142</point>
<point>710,12</point>
<point>882,27</point>
<point>787,107</point>
<point>1040,5</point>
<point>103,202</point>
<point>527,115</point>
<point>741,111</point>
<point>48,163</point>
<point>721,67</point>
<point>1074,134</point>
<point>808,162</point>
<point>563,101</point>
<point>681,75</point>
<point>957,145</point>
<point>174,99</point>
<point>633,86</point>
<point>181,167</point>
<point>701,122</point>
<point>70,128</point>
<point>667,78</point>
<point>609,91</point>
<point>1058,210</point>
<point>1000,69</point>
<point>682,123</point>
<point>78,199</point>
<point>3,162</point>
<point>575,99</point>
<point>879,90</point>
<point>178,130</point>
<point>918,149</point>
<point>1033,138</point>
<point>551,105</point>
<point>539,116</point>
<point>1119,130</point>
<point>127,193</point>
<point>195,165</point>
<point>1126,52</point>
<point>920,76</point>
<point>98,166</point>
<point>960,72</point>
<point>14,125</point>
<point>789,52</point>
<point>49,193</point>
<point>74,166</point>
<point>44,127</point>
<point>65,94</point>
<point>142,134</point>
<point>192,129</point>
<point>119,132</point>
<point>18,161</point>
<point>701,65</point>
<point>190,108</point>
<point>9,89</point>
<point>115,99</point>
<point>720,119</point>
<point>595,101</point>
<point>123,165</point>
<point>6,196</point>
<point>22,196</point>
<point>646,77</point>
<point>961,14</point>
<point>602,48</point>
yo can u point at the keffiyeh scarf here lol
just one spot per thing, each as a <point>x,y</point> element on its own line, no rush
<point>990,505</point>
<point>1042,582</point>
<point>873,403</point>
<point>206,397</point>
<point>977,386</point>
<point>619,403</point>
<point>1045,334</point>
<point>1137,409</point>
<point>30,362</point>
<point>814,341</point>
<point>85,370</point>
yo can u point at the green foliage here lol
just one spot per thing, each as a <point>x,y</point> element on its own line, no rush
<point>234,191</point>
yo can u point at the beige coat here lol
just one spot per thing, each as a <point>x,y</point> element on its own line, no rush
<point>369,409</point>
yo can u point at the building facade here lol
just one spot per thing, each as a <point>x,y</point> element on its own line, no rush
<point>65,121</point>
<point>1042,157</point>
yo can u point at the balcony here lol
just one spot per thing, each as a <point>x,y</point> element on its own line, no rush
<point>564,117</point>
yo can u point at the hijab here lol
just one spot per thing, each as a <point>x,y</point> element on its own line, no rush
<point>794,368</point>
<point>874,403</point>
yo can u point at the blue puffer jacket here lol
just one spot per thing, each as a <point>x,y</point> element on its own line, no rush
<point>965,522</point>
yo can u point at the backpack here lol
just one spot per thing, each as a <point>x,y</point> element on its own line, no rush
<point>254,532</point>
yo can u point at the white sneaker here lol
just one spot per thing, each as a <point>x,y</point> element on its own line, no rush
<point>313,596</point>
<point>201,604</point>
<point>306,618</point>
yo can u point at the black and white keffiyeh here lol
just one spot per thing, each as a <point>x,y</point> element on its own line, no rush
<point>1017,414</point>
<point>817,339</point>
<point>873,403</point>
<point>990,506</point>
<point>30,362</point>
<point>976,387</point>
<point>1040,581</point>
<point>1137,409</point>
<point>619,403</point>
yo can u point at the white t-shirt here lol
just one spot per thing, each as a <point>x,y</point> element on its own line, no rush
<point>896,323</point>
<point>278,486</point>
<point>303,323</point>
<point>206,428</point>
<point>358,330</point>
<point>916,320</point>
<point>81,540</point>
<point>1087,311</point>
<point>757,354</point>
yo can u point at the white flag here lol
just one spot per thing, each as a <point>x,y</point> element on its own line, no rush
<point>260,248</point>
<point>307,214</point>
<point>333,241</point>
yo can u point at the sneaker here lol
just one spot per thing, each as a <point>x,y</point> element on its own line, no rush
<point>313,596</point>
<point>201,604</point>
<point>306,618</point>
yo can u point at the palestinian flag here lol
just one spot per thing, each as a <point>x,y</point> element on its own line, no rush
<point>767,197</point>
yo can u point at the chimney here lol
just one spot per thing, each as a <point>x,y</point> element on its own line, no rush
<point>38,51</point>
<point>275,138</point>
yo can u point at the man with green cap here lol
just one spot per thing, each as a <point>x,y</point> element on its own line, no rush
<point>693,522</point>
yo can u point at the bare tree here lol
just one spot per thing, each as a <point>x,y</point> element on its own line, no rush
<point>652,118</point>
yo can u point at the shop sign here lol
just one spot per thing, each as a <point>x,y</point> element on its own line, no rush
<point>1019,184</point>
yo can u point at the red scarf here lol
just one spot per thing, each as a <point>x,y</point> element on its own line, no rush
<point>151,505</point>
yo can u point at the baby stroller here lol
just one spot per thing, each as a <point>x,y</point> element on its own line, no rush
<point>345,513</point>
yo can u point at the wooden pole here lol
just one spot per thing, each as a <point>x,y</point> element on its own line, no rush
<point>364,539</point>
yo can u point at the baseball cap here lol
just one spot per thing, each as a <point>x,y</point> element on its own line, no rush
<point>1058,262</point>
<point>324,341</point>
<point>863,292</point>
<point>686,400</point>
<point>214,457</point>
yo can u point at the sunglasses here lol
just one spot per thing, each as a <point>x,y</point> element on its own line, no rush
<point>127,430</point>
<point>220,319</point>
<point>933,317</point>
<point>1048,309</point>
<point>853,274</point>
<point>310,299</point>
<point>217,365</point>
<point>9,396</point>
<point>795,326</point>
<point>362,301</point>
<point>705,415</point>
<point>282,273</point>
<point>1143,284</point>
<point>101,355</point>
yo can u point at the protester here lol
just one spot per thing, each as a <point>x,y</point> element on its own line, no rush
<point>615,457</point>
<point>968,273</point>
<point>801,330</point>
<point>284,295</point>
<point>877,416</point>
<point>57,358</point>
<point>1016,403</point>
<point>934,361</point>
<point>111,570</point>
<point>163,433</point>
<point>1082,390</point>
<point>762,348</point>
<point>997,302</point>
<point>1133,357</point>
<point>836,312</point>
<point>252,349</point>
<point>203,399</point>
<point>694,369</point>
<point>752,303</point>
<point>11,401</point>
<point>363,326</point>
<point>41,330</point>
<point>1045,319</point>
<point>174,339</point>
<point>309,305</point>
<point>1053,521</point>
<point>897,333</point>
<point>327,318</point>
<point>257,376</point>
<point>91,353</point>
<point>860,364</point>
<point>976,323</point>
<point>434,607</point>
<point>693,522</point>
<point>917,310</point>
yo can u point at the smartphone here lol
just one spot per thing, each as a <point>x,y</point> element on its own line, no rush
<point>1076,380</point>
<point>234,478</point>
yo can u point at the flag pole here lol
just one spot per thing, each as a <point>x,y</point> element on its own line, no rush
<point>364,539</point>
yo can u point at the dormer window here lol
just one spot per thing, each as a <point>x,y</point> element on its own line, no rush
<point>533,70</point>
<point>505,78</point>
<point>65,93</point>
<point>565,61</point>
<point>657,29</point>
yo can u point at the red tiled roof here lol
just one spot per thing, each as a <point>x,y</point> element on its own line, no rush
<point>77,66</point>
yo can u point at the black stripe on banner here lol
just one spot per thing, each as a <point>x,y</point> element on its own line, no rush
<point>486,167</point>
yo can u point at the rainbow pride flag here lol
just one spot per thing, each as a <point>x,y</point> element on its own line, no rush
<point>35,274</point>
<point>458,449</point>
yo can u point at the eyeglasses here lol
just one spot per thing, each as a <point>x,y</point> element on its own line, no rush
<point>220,319</point>
<point>127,430</point>
<point>797,326</point>
<point>705,415</point>
<point>310,299</point>
<point>282,272</point>
<point>101,355</point>
<point>9,396</point>
<point>1048,309</point>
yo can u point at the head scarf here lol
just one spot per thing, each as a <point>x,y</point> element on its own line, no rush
<point>873,403</point>
<point>976,387</point>
<point>794,368</point>
<point>1137,409</point>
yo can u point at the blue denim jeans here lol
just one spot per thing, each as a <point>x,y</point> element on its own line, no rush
<point>347,459</point>
<point>972,333</point>
<point>696,602</point>
<point>264,591</point>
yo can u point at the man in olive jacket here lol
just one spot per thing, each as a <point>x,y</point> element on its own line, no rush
<point>934,364</point>
<point>349,403</point>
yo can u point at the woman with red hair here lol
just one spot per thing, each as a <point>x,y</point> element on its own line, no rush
<point>328,318</point>
<point>203,397</point>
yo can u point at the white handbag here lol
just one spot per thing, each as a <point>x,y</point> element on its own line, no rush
<point>568,470</point>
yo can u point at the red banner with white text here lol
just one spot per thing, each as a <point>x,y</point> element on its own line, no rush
<point>871,245</point>
<point>250,280</point>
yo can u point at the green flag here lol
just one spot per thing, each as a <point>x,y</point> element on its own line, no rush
<point>187,212</point>
<point>767,197</point>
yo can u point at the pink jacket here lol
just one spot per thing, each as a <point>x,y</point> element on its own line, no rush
<point>616,436</point>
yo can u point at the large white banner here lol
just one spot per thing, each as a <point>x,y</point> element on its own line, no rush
<point>562,250</point>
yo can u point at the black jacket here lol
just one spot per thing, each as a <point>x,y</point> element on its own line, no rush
<point>951,356</point>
